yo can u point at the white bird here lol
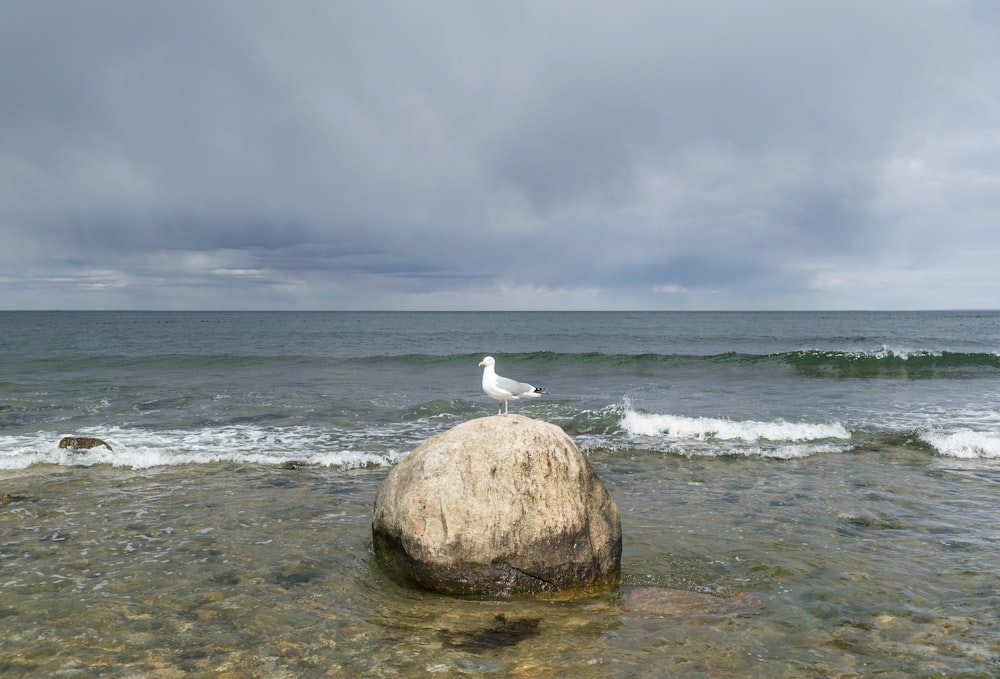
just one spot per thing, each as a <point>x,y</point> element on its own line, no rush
<point>503,388</point>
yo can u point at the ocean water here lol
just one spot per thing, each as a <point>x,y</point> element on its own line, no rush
<point>802,494</point>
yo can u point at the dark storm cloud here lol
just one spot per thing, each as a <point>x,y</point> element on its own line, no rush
<point>535,154</point>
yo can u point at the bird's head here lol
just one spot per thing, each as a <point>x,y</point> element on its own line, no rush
<point>487,361</point>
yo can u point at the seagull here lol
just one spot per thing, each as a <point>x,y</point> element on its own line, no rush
<point>503,388</point>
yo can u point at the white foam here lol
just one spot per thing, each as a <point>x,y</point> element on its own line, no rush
<point>881,353</point>
<point>964,444</point>
<point>717,436</point>
<point>905,354</point>
<point>141,449</point>
<point>703,428</point>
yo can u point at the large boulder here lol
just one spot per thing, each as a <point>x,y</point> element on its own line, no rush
<point>498,506</point>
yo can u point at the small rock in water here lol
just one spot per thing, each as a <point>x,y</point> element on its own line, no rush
<point>298,573</point>
<point>82,442</point>
<point>873,522</point>
<point>676,602</point>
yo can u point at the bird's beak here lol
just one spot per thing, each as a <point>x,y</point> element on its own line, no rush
<point>482,363</point>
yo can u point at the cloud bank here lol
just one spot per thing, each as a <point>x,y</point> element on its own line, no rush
<point>521,155</point>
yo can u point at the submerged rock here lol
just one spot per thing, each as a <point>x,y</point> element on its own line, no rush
<point>681,603</point>
<point>499,506</point>
<point>874,523</point>
<point>82,442</point>
<point>503,634</point>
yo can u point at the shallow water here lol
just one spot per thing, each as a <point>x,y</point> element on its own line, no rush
<point>870,563</point>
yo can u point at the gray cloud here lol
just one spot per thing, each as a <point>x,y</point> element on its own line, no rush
<point>770,154</point>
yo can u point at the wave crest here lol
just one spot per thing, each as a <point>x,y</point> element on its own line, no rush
<point>964,444</point>
<point>716,436</point>
<point>889,362</point>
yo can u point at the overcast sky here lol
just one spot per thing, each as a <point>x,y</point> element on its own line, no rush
<point>545,154</point>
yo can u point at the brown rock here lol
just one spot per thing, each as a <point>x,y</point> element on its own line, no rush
<point>81,442</point>
<point>498,506</point>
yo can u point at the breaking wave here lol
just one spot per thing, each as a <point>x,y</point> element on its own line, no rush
<point>717,436</point>
<point>141,449</point>
<point>964,444</point>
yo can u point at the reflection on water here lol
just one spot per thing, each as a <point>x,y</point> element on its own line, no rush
<point>850,564</point>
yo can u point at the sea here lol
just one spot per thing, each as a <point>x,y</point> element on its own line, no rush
<point>802,494</point>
